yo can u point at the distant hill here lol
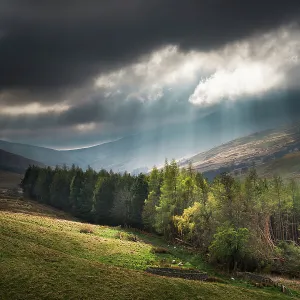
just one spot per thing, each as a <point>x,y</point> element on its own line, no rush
<point>147,148</point>
<point>15,163</point>
<point>140,152</point>
<point>44,155</point>
<point>271,152</point>
<point>133,153</point>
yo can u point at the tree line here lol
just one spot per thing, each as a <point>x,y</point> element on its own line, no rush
<point>250,223</point>
<point>98,197</point>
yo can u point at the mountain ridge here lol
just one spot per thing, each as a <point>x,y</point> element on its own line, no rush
<point>142,151</point>
<point>260,150</point>
<point>15,163</point>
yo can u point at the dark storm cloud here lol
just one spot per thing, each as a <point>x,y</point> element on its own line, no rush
<point>123,115</point>
<point>55,44</point>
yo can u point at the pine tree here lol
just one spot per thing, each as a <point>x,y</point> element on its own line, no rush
<point>87,194</point>
<point>166,208</point>
<point>60,189</point>
<point>42,186</point>
<point>120,212</point>
<point>139,192</point>
<point>104,198</point>
<point>76,186</point>
<point>152,200</point>
<point>29,181</point>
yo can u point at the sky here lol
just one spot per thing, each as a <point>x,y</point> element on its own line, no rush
<point>79,73</point>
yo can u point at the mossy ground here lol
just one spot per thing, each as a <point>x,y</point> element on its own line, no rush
<point>43,255</point>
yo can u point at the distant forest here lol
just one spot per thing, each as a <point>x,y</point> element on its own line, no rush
<point>250,224</point>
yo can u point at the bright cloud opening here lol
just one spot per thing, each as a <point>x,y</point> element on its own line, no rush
<point>248,79</point>
<point>33,109</point>
<point>249,67</point>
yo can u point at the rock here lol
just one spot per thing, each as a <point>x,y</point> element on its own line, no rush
<point>173,261</point>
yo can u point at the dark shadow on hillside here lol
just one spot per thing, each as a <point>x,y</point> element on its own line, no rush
<point>18,205</point>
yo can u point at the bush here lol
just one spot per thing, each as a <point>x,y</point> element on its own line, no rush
<point>159,250</point>
<point>86,229</point>
<point>289,262</point>
<point>229,246</point>
<point>126,236</point>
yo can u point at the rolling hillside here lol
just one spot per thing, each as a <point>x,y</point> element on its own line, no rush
<point>271,152</point>
<point>15,163</point>
<point>10,180</point>
<point>44,155</point>
<point>144,149</point>
<point>45,254</point>
<point>139,152</point>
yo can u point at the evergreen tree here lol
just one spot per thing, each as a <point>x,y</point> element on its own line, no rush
<point>104,198</point>
<point>42,186</point>
<point>85,210</point>
<point>77,184</point>
<point>29,181</point>
<point>152,200</point>
<point>139,192</point>
<point>60,190</point>
<point>120,212</point>
<point>166,208</point>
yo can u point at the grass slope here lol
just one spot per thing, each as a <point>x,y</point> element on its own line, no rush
<point>273,152</point>
<point>43,255</point>
<point>9,180</point>
<point>287,166</point>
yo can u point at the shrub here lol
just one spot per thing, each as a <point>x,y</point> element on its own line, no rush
<point>131,237</point>
<point>289,264</point>
<point>229,246</point>
<point>126,236</point>
<point>86,229</point>
<point>159,250</point>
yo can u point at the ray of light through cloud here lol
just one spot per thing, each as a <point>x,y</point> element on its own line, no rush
<point>167,86</point>
<point>252,66</point>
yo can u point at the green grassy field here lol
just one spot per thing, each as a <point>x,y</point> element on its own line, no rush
<point>44,255</point>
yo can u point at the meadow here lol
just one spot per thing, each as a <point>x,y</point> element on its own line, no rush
<point>46,254</point>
